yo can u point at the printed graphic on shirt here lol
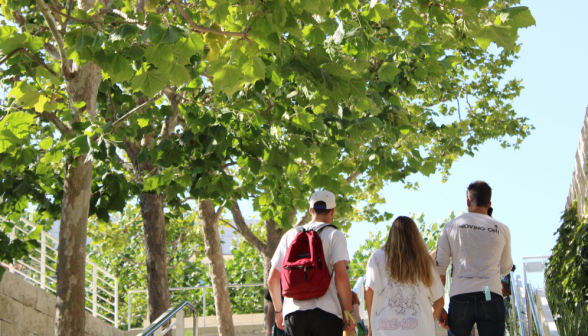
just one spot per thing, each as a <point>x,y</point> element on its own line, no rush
<point>401,298</point>
<point>394,324</point>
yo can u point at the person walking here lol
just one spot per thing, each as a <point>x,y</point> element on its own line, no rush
<point>315,314</point>
<point>401,283</point>
<point>480,248</point>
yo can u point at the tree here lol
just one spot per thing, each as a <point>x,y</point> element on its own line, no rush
<point>262,100</point>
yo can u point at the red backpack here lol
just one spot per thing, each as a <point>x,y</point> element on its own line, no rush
<point>305,274</point>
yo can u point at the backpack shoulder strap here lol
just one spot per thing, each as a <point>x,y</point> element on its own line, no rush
<point>320,228</point>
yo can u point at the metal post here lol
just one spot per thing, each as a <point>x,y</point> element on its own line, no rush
<point>129,311</point>
<point>12,238</point>
<point>43,258</point>
<point>203,307</point>
<point>529,313</point>
<point>94,290</point>
<point>116,302</point>
<point>194,323</point>
<point>180,330</point>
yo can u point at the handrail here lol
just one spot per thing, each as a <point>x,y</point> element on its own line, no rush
<point>39,269</point>
<point>530,294</point>
<point>517,306</point>
<point>150,330</point>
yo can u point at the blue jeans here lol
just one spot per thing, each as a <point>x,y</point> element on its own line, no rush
<point>470,308</point>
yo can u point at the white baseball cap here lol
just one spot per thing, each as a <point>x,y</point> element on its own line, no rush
<point>323,196</point>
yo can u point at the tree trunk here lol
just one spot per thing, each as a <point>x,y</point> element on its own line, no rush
<point>156,252</point>
<point>155,236</point>
<point>218,273</point>
<point>71,251</point>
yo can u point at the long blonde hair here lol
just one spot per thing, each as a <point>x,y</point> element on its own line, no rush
<point>408,259</point>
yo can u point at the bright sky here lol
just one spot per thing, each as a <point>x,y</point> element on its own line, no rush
<point>530,185</point>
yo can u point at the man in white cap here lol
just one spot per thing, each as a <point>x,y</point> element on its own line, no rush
<point>322,315</point>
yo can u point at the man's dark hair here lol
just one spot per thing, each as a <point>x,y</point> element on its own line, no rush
<point>479,193</point>
<point>320,212</point>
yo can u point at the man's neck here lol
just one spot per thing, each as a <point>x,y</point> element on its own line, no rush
<point>320,220</point>
<point>478,210</point>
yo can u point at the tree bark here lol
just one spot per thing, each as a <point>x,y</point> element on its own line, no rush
<point>71,251</point>
<point>159,299</point>
<point>218,273</point>
<point>156,252</point>
<point>267,250</point>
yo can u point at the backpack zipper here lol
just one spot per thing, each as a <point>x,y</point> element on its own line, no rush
<point>300,267</point>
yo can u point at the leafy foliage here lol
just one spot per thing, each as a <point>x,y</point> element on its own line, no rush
<point>565,278</point>
<point>19,247</point>
<point>262,100</point>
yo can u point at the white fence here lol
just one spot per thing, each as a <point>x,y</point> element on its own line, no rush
<point>40,269</point>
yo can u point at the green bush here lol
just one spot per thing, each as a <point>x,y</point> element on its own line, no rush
<point>566,277</point>
<point>567,268</point>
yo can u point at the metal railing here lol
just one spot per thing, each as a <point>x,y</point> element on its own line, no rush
<point>204,288</point>
<point>516,314</point>
<point>156,327</point>
<point>40,269</point>
<point>532,311</point>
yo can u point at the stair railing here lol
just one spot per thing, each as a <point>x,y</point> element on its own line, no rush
<point>157,328</point>
<point>516,314</point>
<point>40,269</point>
<point>532,311</point>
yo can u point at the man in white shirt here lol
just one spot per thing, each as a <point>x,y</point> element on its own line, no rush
<point>319,316</point>
<point>480,248</point>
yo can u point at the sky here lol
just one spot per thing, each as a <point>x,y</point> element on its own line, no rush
<point>530,185</point>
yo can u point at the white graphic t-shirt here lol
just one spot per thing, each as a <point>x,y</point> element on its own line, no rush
<point>397,308</point>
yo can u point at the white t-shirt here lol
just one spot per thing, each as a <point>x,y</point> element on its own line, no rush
<point>480,248</point>
<point>400,308</point>
<point>335,250</point>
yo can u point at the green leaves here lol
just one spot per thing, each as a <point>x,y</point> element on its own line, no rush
<point>254,68</point>
<point>121,69</point>
<point>161,55</point>
<point>172,34</point>
<point>124,32</point>
<point>497,34</point>
<point>150,82</point>
<point>228,79</point>
<point>388,72</point>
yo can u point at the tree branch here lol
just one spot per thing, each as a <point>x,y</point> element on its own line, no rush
<point>203,29</point>
<point>229,224</point>
<point>181,261</point>
<point>130,113</point>
<point>245,230</point>
<point>63,128</point>
<point>58,38</point>
<point>124,16</point>
<point>132,261</point>
<point>352,177</point>
<point>34,58</point>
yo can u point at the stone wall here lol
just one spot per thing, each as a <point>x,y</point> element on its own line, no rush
<point>579,185</point>
<point>28,310</point>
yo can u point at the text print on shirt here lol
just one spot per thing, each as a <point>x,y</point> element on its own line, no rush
<point>394,324</point>
<point>481,228</point>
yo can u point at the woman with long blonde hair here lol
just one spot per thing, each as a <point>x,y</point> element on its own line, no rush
<point>401,284</point>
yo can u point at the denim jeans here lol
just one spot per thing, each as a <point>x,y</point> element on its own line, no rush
<point>470,308</point>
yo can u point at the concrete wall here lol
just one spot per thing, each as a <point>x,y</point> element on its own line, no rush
<point>28,310</point>
<point>579,185</point>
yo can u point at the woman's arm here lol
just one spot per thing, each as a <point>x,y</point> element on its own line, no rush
<point>369,296</point>
<point>438,307</point>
